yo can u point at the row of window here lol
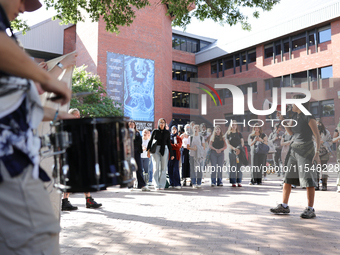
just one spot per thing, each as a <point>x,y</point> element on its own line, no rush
<point>225,93</point>
<point>184,100</point>
<point>188,44</point>
<point>322,108</point>
<point>299,78</point>
<point>183,72</point>
<point>297,42</point>
<point>233,61</point>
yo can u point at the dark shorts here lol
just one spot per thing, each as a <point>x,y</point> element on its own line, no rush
<point>300,171</point>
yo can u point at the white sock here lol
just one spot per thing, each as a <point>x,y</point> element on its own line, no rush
<point>284,205</point>
<point>311,208</point>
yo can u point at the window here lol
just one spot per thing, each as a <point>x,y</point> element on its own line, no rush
<point>183,72</point>
<point>312,37</point>
<point>314,109</point>
<point>228,63</point>
<point>322,108</point>
<point>184,100</point>
<point>286,81</point>
<point>204,44</point>
<point>313,75</point>
<point>286,45</point>
<point>237,62</point>
<point>327,108</point>
<point>299,42</point>
<point>268,50</point>
<point>252,56</point>
<point>278,48</point>
<point>214,67</point>
<point>220,65</point>
<point>298,78</point>
<point>243,57</point>
<point>194,101</point>
<point>325,34</point>
<point>184,43</point>
<point>268,84</point>
<point>326,72</point>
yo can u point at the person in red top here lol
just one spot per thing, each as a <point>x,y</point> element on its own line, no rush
<point>173,165</point>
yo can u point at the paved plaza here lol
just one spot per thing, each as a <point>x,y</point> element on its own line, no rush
<point>219,220</point>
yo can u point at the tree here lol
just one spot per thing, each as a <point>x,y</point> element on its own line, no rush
<point>122,12</point>
<point>97,104</point>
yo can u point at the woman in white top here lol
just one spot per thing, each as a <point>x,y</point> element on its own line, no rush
<point>144,155</point>
<point>185,154</point>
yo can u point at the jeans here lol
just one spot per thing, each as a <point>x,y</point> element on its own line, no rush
<point>160,166</point>
<point>173,171</point>
<point>145,168</point>
<point>217,161</point>
<point>235,169</point>
<point>150,168</point>
<point>195,171</point>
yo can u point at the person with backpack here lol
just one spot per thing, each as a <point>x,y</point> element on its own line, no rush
<point>217,145</point>
<point>196,148</point>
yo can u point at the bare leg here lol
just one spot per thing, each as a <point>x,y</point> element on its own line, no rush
<point>287,188</point>
<point>66,195</point>
<point>310,195</point>
<point>87,194</point>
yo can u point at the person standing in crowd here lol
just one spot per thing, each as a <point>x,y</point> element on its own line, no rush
<point>196,148</point>
<point>137,143</point>
<point>185,154</point>
<point>275,139</point>
<point>28,223</point>
<point>206,136</point>
<point>173,165</point>
<point>150,166</point>
<point>336,140</point>
<point>286,140</point>
<point>144,155</point>
<point>257,160</point>
<point>325,149</point>
<point>66,204</point>
<point>217,145</point>
<point>235,142</point>
<point>302,154</point>
<point>161,156</point>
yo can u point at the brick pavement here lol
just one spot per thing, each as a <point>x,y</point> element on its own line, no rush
<point>220,220</point>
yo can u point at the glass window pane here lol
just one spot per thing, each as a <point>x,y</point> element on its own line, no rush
<point>327,108</point>
<point>194,46</point>
<point>286,81</point>
<point>189,46</point>
<point>193,101</point>
<point>277,82</point>
<point>325,34</point>
<point>278,48</point>
<point>214,67</point>
<point>254,84</point>
<point>183,44</point>
<point>268,51</point>
<point>176,43</point>
<point>314,108</point>
<point>178,72</point>
<point>311,38</point>
<point>183,73</point>
<point>313,75</point>
<point>220,65</point>
<point>298,78</point>
<point>326,72</point>
<point>228,63</point>
<point>203,44</point>
<point>299,42</point>
<point>244,60</point>
<point>286,46</point>
<point>268,84</point>
<point>237,57</point>
<point>251,56</point>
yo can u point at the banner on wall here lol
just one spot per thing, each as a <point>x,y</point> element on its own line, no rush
<point>130,81</point>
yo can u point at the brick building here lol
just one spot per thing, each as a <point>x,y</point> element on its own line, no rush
<point>303,52</point>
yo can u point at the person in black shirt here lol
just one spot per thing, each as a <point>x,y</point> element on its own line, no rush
<point>217,145</point>
<point>137,144</point>
<point>257,160</point>
<point>161,156</point>
<point>235,142</point>
<point>302,155</point>
<point>336,139</point>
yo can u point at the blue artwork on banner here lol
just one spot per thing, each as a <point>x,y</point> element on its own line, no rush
<point>115,77</point>
<point>139,88</point>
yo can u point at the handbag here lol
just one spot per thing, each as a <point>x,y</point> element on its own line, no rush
<point>323,151</point>
<point>153,146</point>
<point>261,148</point>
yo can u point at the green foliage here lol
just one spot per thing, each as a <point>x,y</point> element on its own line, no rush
<point>20,25</point>
<point>117,13</point>
<point>94,105</point>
